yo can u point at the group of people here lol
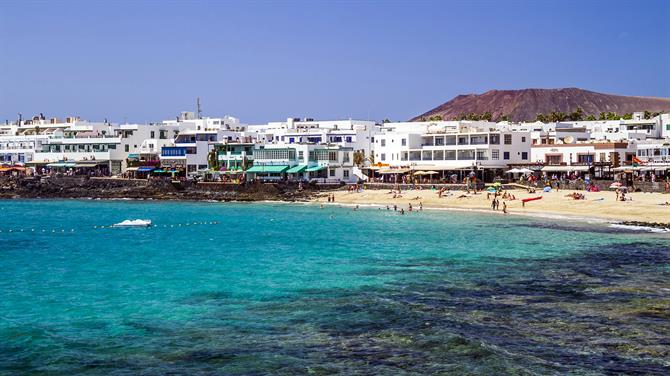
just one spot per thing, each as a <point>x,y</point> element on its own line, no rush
<point>576,196</point>
<point>410,208</point>
<point>495,204</point>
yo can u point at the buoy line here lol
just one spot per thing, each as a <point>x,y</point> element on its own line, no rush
<point>99,227</point>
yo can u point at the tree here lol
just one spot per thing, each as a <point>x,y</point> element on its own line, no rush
<point>542,118</point>
<point>647,114</point>
<point>577,115</point>
<point>387,120</point>
<point>486,116</point>
<point>504,118</point>
<point>359,157</point>
<point>213,160</point>
<point>603,116</point>
<point>612,116</point>
<point>555,116</point>
<point>435,118</point>
<point>628,116</point>
<point>591,118</point>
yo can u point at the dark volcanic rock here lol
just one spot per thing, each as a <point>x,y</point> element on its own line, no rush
<point>106,188</point>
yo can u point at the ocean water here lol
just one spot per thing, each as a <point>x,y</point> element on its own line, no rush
<point>250,289</point>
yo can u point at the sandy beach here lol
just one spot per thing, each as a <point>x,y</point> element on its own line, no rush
<point>643,207</point>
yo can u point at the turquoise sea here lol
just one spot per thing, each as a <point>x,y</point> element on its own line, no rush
<point>251,289</point>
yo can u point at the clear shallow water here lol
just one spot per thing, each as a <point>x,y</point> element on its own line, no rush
<point>292,289</point>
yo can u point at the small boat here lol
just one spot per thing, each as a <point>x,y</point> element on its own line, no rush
<point>531,199</point>
<point>134,223</point>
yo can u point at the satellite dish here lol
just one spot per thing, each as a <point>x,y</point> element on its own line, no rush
<point>569,140</point>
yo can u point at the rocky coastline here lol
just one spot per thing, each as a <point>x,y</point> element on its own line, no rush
<point>107,188</point>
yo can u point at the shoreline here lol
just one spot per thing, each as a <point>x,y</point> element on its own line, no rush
<point>634,226</point>
<point>599,207</point>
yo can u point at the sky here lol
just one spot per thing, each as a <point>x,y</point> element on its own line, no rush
<point>260,61</point>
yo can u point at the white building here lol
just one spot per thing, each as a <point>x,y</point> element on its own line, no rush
<point>303,162</point>
<point>451,146</point>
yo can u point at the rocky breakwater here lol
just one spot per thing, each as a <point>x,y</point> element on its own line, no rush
<point>108,188</point>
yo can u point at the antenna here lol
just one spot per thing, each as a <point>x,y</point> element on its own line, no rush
<point>199,109</point>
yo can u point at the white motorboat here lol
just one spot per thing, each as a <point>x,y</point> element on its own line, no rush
<point>134,223</point>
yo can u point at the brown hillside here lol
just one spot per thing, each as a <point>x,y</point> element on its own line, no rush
<point>524,105</point>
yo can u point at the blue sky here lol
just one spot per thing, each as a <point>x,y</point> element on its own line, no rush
<point>262,61</point>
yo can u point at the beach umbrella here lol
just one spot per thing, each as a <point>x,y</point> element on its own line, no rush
<point>497,184</point>
<point>616,184</point>
<point>431,172</point>
<point>491,189</point>
<point>419,173</point>
<point>513,171</point>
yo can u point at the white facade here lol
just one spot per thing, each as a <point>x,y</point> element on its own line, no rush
<point>451,145</point>
<point>321,163</point>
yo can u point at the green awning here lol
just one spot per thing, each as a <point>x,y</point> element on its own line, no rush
<point>316,168</point>
<point>61,164</point>
<point>262,169</point>
<point>296,169</point>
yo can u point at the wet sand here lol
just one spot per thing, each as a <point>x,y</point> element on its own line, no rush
<point>644,207</point>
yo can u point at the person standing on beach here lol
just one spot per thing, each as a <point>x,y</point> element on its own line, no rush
<point>504,207</point>
<point>493,204</point>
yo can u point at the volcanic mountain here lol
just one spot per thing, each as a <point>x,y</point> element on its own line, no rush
<point>525,104</point>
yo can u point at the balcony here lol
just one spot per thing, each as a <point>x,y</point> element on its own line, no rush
<point>170,151</point>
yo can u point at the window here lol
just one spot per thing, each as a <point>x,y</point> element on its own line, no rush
<point>403,142</point>
<point>506,155</point>
<point>345,157</point>
<point>585,158</point>
<point>524,155</point>
<point>427,155</point>
<point>523,139</point>
<point>554,159</point>
<point>404,156</point>
<point>482,155</point>
<point>508,139</point>
<point>438,155</point>
<point>495,154</point>
<point>463,140</point>
<point>383,157</point>
<point>345,173</point>
<point>332,173</point>
<point>478,140</point>
<point>466,155</point>
<point>450,155</point>
<point>153,134</point>
<point>439,141</point>
<point>301,154</point>
<point>127,147</point>
<point>383,142</point>
<point>495,139</point>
